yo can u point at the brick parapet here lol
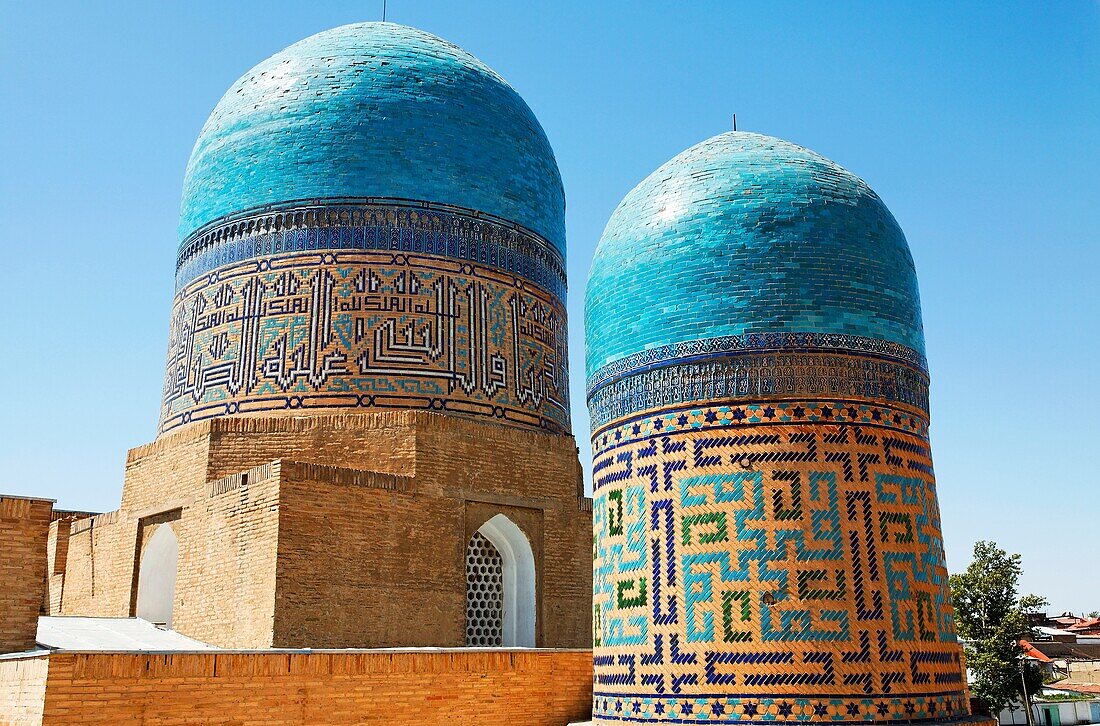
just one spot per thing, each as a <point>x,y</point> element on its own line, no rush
<point>69,515</point>
<point>98,520</point>
<point>460,686</point>
<point>24,531</point>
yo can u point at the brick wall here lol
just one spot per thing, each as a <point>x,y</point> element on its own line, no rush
<point>346,530</point>
<point>57,557</point>
<point>391,550</point>
<point>99,566</point>
<point>23,690</point>
<point>497,468</point>
<point>403,687</point>
<point>24,528</point>
<point>225,586</point>
<point>382,442</point>
<point>379,552</point>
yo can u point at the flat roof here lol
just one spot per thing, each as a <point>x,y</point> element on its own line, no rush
<point>29,499</point>
<point>71,633</point>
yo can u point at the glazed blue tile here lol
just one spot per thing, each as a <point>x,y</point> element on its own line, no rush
<point>375,110</point>
<point>745,233</point>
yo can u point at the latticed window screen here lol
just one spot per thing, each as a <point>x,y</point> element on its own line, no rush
<point>484,593</point>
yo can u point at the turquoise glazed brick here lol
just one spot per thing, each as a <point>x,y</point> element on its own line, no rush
<point>375,110</point>
<point>744,234</point>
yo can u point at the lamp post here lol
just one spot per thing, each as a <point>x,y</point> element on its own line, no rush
<point>1023,686</point>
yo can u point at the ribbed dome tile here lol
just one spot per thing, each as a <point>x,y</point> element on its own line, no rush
<point>375,110</point>
<point>745,233</point>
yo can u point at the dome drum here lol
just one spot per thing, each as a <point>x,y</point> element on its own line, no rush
<point>372,219</point>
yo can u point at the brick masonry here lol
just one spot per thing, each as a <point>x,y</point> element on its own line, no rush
<point>339,530</point>
<point>465,687</point>
<point>24,529</point>
<point>57,555</point>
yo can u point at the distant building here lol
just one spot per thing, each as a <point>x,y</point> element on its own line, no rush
<point>1056,713</point>
<point>1087,628</point>
<point>1070,670</point>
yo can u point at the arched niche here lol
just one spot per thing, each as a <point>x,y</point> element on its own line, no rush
<point>517,582</point>
<point>157,576</point>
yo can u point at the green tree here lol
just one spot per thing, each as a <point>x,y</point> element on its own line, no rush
<point>991,619</point>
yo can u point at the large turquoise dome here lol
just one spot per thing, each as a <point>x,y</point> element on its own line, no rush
<point>748,234</point>
<point>374,110</point>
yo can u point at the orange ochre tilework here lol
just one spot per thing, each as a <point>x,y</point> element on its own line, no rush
<point>771,561</point>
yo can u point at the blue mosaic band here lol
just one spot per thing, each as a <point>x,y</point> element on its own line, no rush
<point>372,224</point>
<point>756,376</point>
<point>883,708</point>
<point>746,420</point>
<point>697,350</point>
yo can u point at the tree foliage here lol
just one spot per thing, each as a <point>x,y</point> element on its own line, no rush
<point>991,619</point>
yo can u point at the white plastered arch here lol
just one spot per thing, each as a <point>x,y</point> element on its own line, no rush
<point>157,576</point>
<point>519,580</point>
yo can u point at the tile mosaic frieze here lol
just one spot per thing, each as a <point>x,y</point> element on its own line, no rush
<point>366,330</point>
<point>751,569</point>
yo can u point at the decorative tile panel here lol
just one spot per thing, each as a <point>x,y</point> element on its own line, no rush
<point>794,564</point>
<point>354,329</point>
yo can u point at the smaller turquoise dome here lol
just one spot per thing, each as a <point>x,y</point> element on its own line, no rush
<point>375,110</point>
<point>743,234</point>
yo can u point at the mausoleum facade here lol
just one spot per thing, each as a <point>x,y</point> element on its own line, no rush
<point>767,532</point>
<point>365,435</point>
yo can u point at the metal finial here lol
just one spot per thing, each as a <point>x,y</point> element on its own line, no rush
<point>383,11</point>
<point>734,122</point>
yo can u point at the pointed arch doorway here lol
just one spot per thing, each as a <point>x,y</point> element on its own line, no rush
<point>500,586</point>
<point>156,588</point>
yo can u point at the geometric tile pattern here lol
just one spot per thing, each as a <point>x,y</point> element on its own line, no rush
<point>359,328</point>
<point>765,554</point>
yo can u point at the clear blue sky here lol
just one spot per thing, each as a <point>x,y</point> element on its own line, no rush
<point>977,123</point>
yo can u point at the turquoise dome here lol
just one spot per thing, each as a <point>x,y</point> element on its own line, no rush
<point>375,110</point>
<point>745,234</point>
